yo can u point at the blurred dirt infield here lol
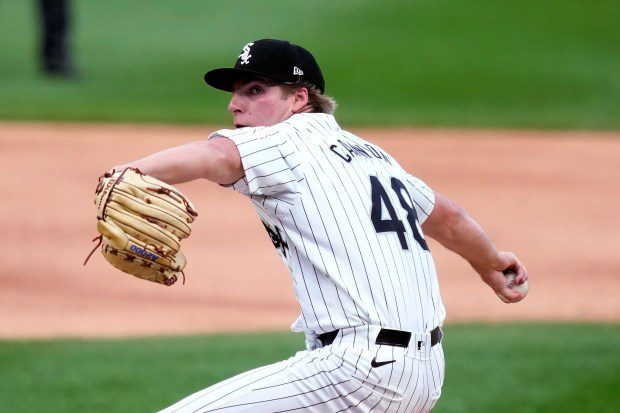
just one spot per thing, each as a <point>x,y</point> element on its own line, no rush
<point>551,197</point>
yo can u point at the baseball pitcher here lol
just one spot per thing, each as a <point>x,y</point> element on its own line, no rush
<point>350,225</point>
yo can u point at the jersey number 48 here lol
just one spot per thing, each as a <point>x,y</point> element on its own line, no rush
<point>393,224</point>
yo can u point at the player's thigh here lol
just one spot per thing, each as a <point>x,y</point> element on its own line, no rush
<point>325,380</point>
<point>424,388</point>
<point>221,391</point>
<point>316,381</point>
<point>343,379</point>
<point>310,381</point>
<point>410,384</point>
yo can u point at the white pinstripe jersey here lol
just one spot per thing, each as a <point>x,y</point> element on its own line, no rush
<point>345,219</point>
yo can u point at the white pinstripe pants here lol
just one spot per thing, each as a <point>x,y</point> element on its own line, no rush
<point>335,378</point>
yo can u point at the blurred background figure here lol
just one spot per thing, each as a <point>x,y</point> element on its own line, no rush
<point>55,47</point>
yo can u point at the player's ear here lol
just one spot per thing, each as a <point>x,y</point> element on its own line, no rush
<point>301,99</point>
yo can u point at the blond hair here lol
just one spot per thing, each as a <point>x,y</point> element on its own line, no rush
<point>319,102</point>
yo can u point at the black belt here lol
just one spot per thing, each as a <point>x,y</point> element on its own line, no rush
<point>387,337</point>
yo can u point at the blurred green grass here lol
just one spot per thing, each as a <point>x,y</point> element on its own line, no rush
<point>490,368</point>
<point>519,63</point>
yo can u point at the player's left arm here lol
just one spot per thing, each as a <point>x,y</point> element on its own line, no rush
<point>216,159</point>
<point>452,227</point>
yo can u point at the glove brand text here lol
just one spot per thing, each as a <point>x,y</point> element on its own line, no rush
<point>146,254</point>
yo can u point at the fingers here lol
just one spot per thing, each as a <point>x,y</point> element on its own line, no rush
<point>514,265</point>
<point>509,296</point>
<point>521,275</point>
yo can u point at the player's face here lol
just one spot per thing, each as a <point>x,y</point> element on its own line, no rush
<point>256,103</point>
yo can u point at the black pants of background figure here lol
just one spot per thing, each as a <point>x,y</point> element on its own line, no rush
<point>54,47</point>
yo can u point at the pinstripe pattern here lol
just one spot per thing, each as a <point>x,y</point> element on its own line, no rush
<point>345,219</point>
<point>336,378</point>
<point>312,181</point>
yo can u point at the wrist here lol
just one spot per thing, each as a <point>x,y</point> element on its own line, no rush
<point>487,264</point>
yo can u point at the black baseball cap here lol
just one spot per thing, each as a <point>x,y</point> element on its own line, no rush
<point>276,59</point>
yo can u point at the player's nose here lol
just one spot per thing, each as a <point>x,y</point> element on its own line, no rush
<point>235,104</point>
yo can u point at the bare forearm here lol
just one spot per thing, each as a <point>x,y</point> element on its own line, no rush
<point>167,165</point>
<point>456,230</point>
<point>202,159</point>
<point>453,228</point>
<point>465,237</point>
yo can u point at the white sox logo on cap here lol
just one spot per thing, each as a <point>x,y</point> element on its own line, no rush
<point>275,59</point>
<point>245,56</point>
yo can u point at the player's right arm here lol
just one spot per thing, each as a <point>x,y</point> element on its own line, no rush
<point>452,227</point>
<point>216,159</point>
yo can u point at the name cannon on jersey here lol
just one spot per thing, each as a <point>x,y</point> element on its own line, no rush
<point>353,149</point>
<point>143,252</point>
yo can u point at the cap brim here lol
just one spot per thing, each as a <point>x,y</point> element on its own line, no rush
<point>226,77</point>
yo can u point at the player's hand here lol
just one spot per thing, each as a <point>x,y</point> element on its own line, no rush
<point>495,278</point>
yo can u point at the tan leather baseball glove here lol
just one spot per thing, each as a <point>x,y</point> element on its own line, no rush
<point>142,221</point>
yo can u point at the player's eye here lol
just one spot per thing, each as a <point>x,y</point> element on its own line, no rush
<point>256,90</point>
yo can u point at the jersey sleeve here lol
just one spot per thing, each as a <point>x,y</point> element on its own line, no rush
<point>423,197</point>
<point>268,160</point>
